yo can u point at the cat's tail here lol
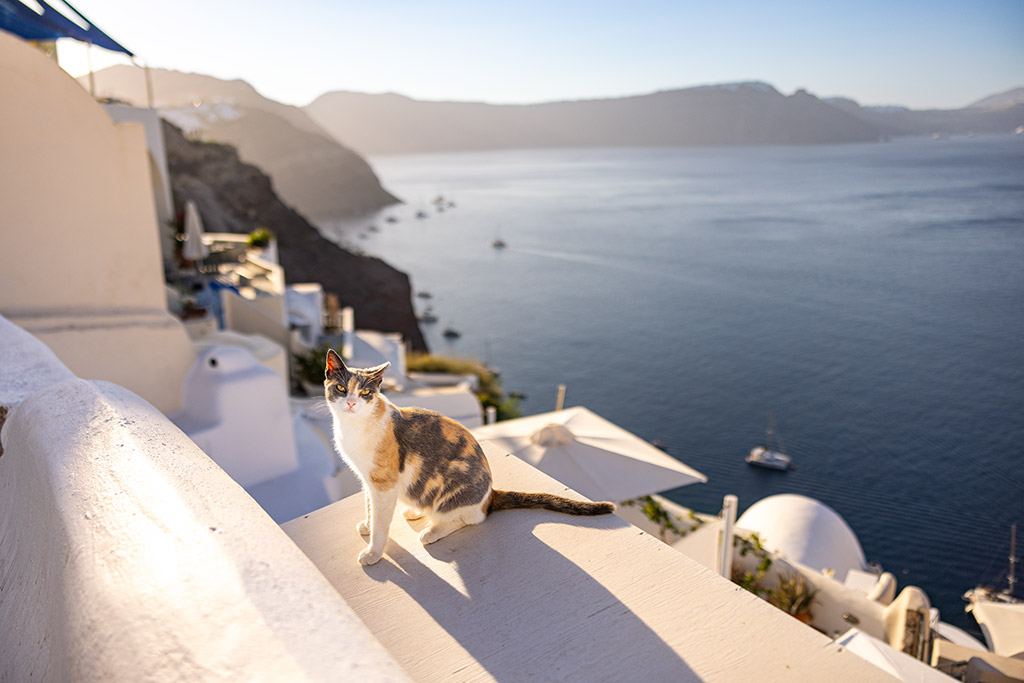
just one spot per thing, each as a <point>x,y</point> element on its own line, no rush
<point>511,500</point>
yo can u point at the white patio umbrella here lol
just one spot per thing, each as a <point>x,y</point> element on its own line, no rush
<point>194,249</point>
<point>589,454</point>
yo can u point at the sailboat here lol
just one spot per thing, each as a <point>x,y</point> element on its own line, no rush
<point>999,612</point>
<point>767,456</point>
<point>990,594</point>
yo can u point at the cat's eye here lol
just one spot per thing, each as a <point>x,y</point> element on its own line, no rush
<point>365,392</point>
<point>340,389</point>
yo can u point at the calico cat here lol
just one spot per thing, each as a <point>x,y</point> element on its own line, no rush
<point>429,462</point>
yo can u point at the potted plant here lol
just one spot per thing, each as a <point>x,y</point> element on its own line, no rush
<point>794,595</point>
<point>260,238</point>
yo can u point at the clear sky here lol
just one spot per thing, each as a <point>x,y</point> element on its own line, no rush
<point>922,54</point>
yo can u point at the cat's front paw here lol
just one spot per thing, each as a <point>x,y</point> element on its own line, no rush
<point>363,528</point>
<point>368,556</point>
<point>412,514</point>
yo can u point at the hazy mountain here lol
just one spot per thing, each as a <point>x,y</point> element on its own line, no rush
<point>238,197</point>
<point>996,114</point>
<point>1001,100</point>
<point>311,171</point>
<point>736,114</point>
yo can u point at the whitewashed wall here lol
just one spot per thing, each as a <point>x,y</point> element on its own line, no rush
<point>81,255</point>
<point>159,174</point>
<point>127,554</point>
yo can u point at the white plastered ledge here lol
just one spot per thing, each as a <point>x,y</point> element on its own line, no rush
<point>127,554</point>
<point>535,595</point>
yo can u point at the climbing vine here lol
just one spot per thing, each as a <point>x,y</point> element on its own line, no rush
<point>656,512</point>
<point>752,581</point>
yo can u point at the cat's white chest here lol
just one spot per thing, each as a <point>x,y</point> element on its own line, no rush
<point>355,443</point>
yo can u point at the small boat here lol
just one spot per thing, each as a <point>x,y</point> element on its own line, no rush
<point>498,243</point>
<point>991,594</point>
<point>762,457</point>
<point>421,214</point>
<point>767,456</point>
<point>424,294</point>
<point>452,333</point>
<point>390,219</point>
<point>427,316</point>
<point>999,612</point>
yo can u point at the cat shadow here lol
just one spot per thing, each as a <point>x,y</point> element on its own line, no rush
<point>523,609</point>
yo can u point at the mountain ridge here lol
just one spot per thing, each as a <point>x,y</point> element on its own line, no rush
<point>729,114</point>
<point>742,113</point>
<point>1000,100</point>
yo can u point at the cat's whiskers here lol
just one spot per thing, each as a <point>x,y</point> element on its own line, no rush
<point>317,409</point>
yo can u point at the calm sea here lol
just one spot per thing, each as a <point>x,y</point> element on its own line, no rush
<point>870,296</point>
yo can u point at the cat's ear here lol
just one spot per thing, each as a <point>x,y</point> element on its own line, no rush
<point>335,365</point>
<point>376,375</point>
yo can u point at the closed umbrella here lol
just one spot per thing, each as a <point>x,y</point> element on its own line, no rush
<point>589,454</point>
<point>194,249</point>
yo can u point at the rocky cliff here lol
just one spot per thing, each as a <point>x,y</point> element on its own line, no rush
<point>237,197</point>
<point>311,171</point>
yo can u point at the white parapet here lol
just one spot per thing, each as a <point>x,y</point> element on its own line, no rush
<point>535,595</point>
<point>236,411</point>
<point>127,554</point>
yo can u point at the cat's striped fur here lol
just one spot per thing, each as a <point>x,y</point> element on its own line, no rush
<point>429,462</point>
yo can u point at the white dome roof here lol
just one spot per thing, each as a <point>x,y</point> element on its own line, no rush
<point>805,530</point>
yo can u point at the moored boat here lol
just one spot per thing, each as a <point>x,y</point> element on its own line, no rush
<point>763,457</point>
<point>771,453</point>
<point>999,612</point>
<point>427,316</point>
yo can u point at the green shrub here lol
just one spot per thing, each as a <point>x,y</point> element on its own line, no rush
<point>260,238</point>
<point>657,513</point>
<point>752,581</point>
<point>489,393</point>
<point>794,595</point>
<point>309,366</point>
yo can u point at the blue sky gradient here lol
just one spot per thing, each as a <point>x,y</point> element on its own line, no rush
<point>936,54</point>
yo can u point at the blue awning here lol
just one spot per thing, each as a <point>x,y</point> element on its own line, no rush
<point>21,20</point>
